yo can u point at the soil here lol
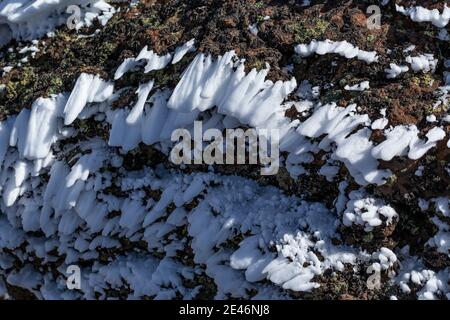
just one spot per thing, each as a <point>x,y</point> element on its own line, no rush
<point>220,26</point>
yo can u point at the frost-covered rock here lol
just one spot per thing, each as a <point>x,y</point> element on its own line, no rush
<point>67,197</point>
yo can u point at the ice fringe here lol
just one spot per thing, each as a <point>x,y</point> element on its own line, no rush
<point>239,98</point>
<point>247,97</point>
<point>73,210</point>
<point>342,48</point>
<point>354,150</point>
<point>88,88</point>
<point>152,60</point>
<point>77,212</point>
<point>403,140</point>
<point>421,14</point>
<point>180,52</point>
<point>252,100</point>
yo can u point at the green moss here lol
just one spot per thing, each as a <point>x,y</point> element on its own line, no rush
<point>150,22</point>
<point>391,180</point>
<point>23,86</point>
<point>427,79</point>
<point>257,64</point>
<point>368,237</point>
<point>260,19</point>
<point>307,30</point>
<point>429,33</point>
<point>431,109</point>
<point>106,50</point>
<point>11,92</point>
<point>56,85</point>
<point>259,5</point>
<point>340,286</point>
<point>415,80</point>
<point>371,38</point>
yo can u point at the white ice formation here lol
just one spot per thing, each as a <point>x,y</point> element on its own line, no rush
<point>342,48</point>
<point>395,70</point>
<point>421,14</point>
<point>32,19</point>
<point>76,200</point>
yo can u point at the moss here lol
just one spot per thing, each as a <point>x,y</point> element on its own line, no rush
<point>426,80</point>
<point>368,237</point>
<point>23,86</point>
<point>162,77</point>
<point>56,85</point>
<point>106,50</point>
<point>11,92</point>
<point>371,38</point>
<point>260,19</point>
<point>339,286</point>
<point>307,30</point>
<point>429,33</point>
<point>431,109</point>
<point>259,5</point>
<point>151,21</point>
<point>257,64</point>
<point>423,80</point>
<point>391,180</point>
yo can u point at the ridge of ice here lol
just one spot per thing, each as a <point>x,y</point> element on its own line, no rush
<point>421,14</point>
<point>342,48</point>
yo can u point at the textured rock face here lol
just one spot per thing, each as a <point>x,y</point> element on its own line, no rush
<point>362,129</point>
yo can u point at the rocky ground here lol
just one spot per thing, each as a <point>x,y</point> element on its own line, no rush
<point>220,26</point>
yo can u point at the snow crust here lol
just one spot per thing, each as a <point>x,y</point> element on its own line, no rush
<point>32,19</point>
<point>367,212</point>
<point>424,62</point>
<point>421,14</point>
<point>342,48</point>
